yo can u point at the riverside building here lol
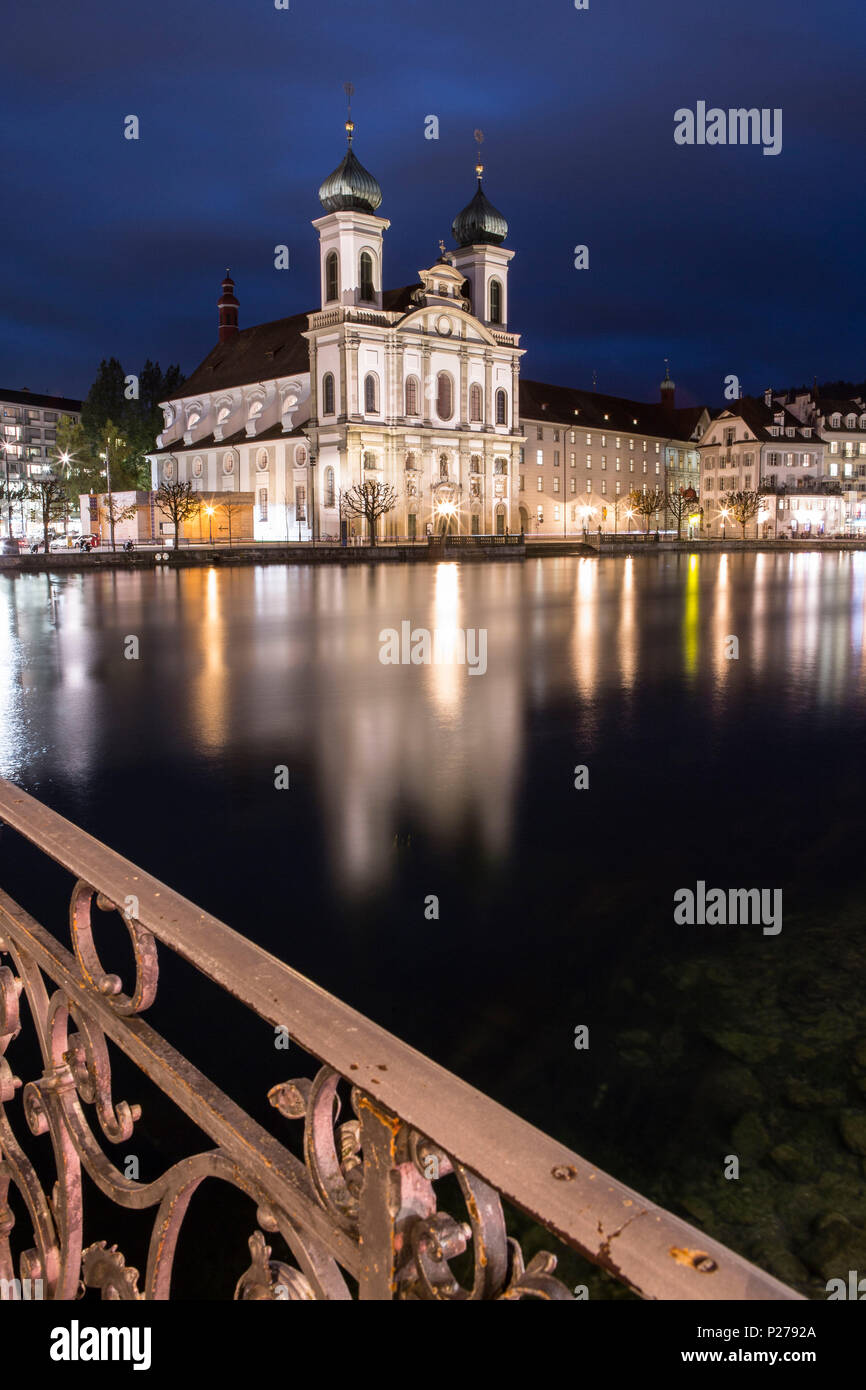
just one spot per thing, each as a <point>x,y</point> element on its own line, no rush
<point>417,387</point>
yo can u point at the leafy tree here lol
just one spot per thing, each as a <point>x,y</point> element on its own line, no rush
<point>744,505</point>
<point>50,499</point>
<point>77,461</point>
<point>132,407</point>
<point>370,500</point>
<point>646,504</point>
<point>119,460</point>
<point>178,502</point>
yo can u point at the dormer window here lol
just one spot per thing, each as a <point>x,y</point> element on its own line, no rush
<point>223,414</point>
<point>255,410</point>
<point>835,422</point>
<point>192,419</point>
<point>851,422</point>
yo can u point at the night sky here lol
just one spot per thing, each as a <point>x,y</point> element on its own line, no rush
<point>723,259</point>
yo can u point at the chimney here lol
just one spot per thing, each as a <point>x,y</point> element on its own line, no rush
<point>668,390</point>
<point>228,307</point>
<point>768,397</point>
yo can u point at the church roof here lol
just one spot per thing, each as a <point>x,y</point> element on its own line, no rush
<point>253,354</point>
<point>271,350</point>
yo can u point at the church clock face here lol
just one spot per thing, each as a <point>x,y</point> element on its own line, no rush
<point>444,326</point>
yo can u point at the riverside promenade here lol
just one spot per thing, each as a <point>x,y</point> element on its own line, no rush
<point>464,548</point>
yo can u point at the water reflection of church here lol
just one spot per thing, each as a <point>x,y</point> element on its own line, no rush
<point>417,387</point>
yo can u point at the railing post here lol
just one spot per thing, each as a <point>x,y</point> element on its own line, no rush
<point>394,1194</point>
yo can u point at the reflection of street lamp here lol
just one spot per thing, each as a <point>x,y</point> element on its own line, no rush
<point>209,511</point>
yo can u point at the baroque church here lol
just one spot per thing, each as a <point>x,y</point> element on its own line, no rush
<point>416,387</point>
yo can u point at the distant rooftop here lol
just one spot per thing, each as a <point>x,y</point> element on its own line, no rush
<point>34,398</point>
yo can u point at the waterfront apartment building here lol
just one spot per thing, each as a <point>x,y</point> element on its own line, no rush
<point>28,428</point>
<point>585,452</point>
<point>771,442</point>
<point>418,388</point>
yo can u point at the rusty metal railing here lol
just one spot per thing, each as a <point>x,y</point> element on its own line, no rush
<point>364,1200</point>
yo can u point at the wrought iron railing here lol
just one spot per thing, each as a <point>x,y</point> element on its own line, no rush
<point>363,1202</point>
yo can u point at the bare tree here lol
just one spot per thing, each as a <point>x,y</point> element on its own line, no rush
<point>229,507</point>
<point>369,500</point>
<point>681,503</point>
<point>51,501</point>
<point>647,503</point>
<point>744,506</point>
<point>115,511</point>
<point>178,502</point>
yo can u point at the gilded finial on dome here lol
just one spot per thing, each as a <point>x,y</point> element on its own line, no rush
<point>351,187</point>
<point>350,124</point>
<point>479,222</point>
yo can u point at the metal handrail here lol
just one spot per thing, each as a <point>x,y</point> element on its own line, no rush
<point>416,1122</point>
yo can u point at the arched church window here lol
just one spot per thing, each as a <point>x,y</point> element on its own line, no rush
<point>367,290</point>
<point>475,463</point>
<point>371,393</point>
<point>501,408</point>
<point>444,396</point>
<point>328,393</point>
<point>329,487</point>
<point>411,464</point>
<point>475,402</point>
<point>495,301</point>
<point>370,461</point>
<point>331,276</point>
<point>412,395</point>
<point>500,466</point>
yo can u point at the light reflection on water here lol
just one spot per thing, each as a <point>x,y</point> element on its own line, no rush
<point>276,660</point>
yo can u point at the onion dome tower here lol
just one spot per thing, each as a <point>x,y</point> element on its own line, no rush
<point>350,233</point>
<point>479,231</point>
<point>480,223</point>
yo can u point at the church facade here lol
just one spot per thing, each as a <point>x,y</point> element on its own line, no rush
<point>417,388</point>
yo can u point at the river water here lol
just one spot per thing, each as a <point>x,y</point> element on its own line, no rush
<point>738,763</point>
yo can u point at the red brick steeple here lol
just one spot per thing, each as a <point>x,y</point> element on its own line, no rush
<point>228,307</point>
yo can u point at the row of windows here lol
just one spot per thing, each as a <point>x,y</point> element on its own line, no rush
<point>618,489</point>
<point>572,439</point>
<point>412,398</point>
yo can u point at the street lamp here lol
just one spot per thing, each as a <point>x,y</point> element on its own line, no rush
<point>209,511</point>
<point>724,513</point>
<point>10,546</point>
